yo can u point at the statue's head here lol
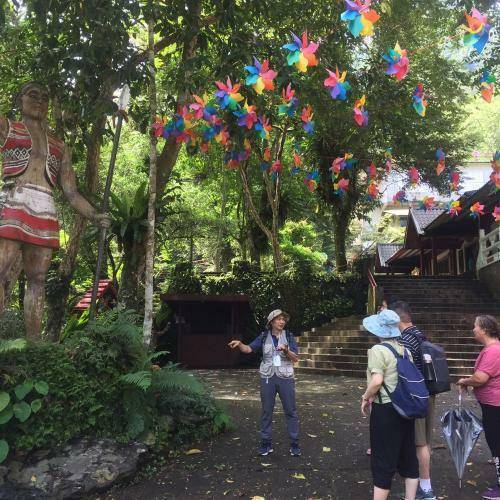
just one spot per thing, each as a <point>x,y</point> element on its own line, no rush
<point>33,100</point>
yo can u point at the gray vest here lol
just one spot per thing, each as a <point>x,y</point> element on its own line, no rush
<point>267,369</point>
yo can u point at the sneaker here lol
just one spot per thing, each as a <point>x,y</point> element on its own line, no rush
<point>492,494</point>
<point>425,495</point>
<point>295,450</point>
<point>265,449</point>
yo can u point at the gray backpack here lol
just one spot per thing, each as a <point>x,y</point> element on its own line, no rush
<point>435,366</point>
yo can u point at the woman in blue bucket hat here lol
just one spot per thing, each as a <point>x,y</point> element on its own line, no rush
<point>392,438</point>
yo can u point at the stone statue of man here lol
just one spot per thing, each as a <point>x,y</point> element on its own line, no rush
<point>34,161</point>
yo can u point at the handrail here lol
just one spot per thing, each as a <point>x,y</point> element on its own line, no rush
<point>489,248</point>
<point>371,279</point>
<point>373,292</point>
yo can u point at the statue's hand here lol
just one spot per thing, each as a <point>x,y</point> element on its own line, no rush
<point>102,220</point>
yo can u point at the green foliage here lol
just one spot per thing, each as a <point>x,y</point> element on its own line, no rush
<point>12,324</point>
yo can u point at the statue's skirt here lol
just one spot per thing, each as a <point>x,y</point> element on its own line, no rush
<point>28,214</point>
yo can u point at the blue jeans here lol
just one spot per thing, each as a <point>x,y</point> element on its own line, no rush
<point>285,387</point>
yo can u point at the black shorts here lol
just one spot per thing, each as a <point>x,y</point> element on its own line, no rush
<point>392,440</point>
<point>491,426</point>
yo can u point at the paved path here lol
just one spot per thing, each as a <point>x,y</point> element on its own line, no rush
<point>334,438</point>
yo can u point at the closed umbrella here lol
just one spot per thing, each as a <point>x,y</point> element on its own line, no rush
<point>461,430</point>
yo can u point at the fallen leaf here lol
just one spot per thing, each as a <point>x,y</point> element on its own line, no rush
<point>326,449</point>
<point>324,414</point>
<point>472,482</point>
<point>331,432</point>
<point>193,451</point>
<point>469,463</point>
<point>257,498</point>
<point>235,439</point>
<point>361,482</point>
<point>266,465</point>
<point>229,481</point>
<point>312,436</point>
<point>298,476</point>
<point>33,478</point>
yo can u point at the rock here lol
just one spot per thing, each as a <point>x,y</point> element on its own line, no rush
<point>82,467</point>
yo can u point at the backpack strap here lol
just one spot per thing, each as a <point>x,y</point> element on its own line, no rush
<point>396,353</point>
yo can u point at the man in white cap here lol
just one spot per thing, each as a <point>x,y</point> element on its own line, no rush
<point>279,353</point>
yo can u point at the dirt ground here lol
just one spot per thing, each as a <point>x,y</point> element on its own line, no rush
<point>334,439</point>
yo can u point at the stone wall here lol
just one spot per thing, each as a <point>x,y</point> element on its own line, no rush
<point>490,277</point>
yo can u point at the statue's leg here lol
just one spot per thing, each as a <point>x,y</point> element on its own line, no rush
<point>36,260</point>
<point>9,250</point>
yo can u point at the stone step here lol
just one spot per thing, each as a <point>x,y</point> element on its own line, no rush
<point>356,351</point>
<point>455,344</point>
<point>323,340</point>
<point>358,366</point>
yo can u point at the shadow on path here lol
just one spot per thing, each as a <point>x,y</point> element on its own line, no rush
<point>334,438</point>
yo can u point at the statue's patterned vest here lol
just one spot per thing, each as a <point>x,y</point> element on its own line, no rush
<point>16,153</point>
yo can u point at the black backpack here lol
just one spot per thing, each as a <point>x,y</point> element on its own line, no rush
<point>263,337</point>
<point>436,372</point>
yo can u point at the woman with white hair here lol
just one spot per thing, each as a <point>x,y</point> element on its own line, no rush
<point>279,353</point>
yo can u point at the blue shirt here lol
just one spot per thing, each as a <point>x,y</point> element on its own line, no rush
<point>256,344</point>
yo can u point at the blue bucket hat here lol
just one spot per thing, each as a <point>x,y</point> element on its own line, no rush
<point>383,325</point>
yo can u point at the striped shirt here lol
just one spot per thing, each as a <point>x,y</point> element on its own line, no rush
<point>411,338</point>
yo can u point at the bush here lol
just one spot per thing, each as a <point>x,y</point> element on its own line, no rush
<point>103,383</point>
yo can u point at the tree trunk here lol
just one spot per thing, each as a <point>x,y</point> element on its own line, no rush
<point>340,224</point>
<point>58,293</point>
<point>129,292</point>
<point>150,237</point>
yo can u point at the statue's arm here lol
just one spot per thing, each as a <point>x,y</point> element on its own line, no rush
<point>67,179</point>
<point>4,129</point>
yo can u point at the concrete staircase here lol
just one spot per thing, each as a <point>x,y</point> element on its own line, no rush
<point>443,307</point>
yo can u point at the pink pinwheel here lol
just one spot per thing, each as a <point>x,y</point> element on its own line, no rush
<point>223,136</point>
<point>260,77</point>
<point>454,208</point>
<point>201,110</point>
<point>399,197</point>
<point>388,161</point>
<point>454,181</point>
<point>337,84</point>
<point>157,126</point>
<point>297,159</point>
<point>372,171</point>
<point>496,214</point>
<point>440,156</point>
<point>414,176</point>
<point>478,30</point>
<point>398,62</point>
<point>341,186</point>
<point>476,210</point>
<point>307,121</point>
<point>227,95</point>
<point>360,17</point>
<point>302,52</point>
<point>360,114</point>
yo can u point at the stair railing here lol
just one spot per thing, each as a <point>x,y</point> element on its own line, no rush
<point>373,293</point>
<point>489,248</point>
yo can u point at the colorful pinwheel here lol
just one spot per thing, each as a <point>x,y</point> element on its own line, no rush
<point>341,163</point>
<point>263,127</point>
<point>180,127</point>
<point>495,165</point>
<point>487,86</point>
<point>310,180</point>
<point>341,186</point>
<point>454,180</point>
<point>399,197</point>
<point>228,96</point>
<point>360,114</point>
<point>454,208</point>
<point>372,171</point>
<point>158,126</point>
<point>476,210</point>
<point>398,62</point>
<point>290,102</point>
<point>388,159</point>
<point>337,84</point>
<point>307,121</point>
<point>372,190</point>
<point>419,100</point>
<point>247,117</point>
<point>477,30</point>
<point>414,176</point>
<point>223,136</point>
<point>276,168</point>
<point>427,203</point>
<point>260,77</point>
<point>496,214</point>
<point>360,17</point>
<point>201,109</point>
<point>440,156</point>
<point>302,52</point>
